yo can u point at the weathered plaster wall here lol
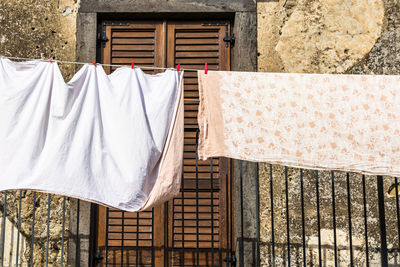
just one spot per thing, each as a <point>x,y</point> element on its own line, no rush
<point>37,29</point>
<point>326,36</point>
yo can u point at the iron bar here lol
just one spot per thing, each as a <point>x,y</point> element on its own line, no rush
<point>183,218</point>
<point>212,211</point>
<point>334,218</point>
<point>272,214</point>
<point>287,215</point>
<point>349,217</point>
<point>241,215</point>
<point>197,201</point>
<point>48,229</point>
<point>63,232</point>
<point>397,209</point>
<point>107,225</point>
<point>365,222</point>
<point>33,228</point>
<point>122,236</point>
<point>77,244</point>
<point>258,216</point>
<point>228,211</point>
<point>137,238</point>
<point>302,218</point>
<point>382,223</point>
<point>152,234</point>
<point>3,230</point>
<point>18,226</point>
<point>318,219</point>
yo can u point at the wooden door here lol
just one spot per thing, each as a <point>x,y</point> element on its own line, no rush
<point>194,229</point>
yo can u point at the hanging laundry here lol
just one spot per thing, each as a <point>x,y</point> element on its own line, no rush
<point>112,139</point>
<point>334,122</point>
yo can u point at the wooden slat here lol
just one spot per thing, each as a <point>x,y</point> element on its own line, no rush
<point>132,46</point>
<point>201,47</point>
<point>138,61</point>
<point>196,61</point>
<point>196,34</point>
<point>129,222</point>
<point>134,34</point>
<point>133,54</point>
<point>131,229</point>
<point>127,243</point>
<point>196,41</point>
<point>195,54</point>
<point>119,42</point>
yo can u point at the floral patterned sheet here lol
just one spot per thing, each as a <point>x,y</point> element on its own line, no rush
<point>316,121</point>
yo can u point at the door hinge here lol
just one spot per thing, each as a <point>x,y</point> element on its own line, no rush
<point>102,36</point>
<point>98,257</point>
<point>231,260</point>
<point>228,39</point>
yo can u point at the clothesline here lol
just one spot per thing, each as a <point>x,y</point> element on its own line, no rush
<point>83,63</point>
<point>108,65</point>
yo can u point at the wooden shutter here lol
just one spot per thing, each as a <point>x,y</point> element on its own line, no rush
<point>199,225</point>
<point>141,42</point>
<point>129,238</point>
<point>197,222</point>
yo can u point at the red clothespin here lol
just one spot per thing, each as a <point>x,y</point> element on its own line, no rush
<point>178,67</point>
<point>205,68</point>
<point>94,62</point>
<point>50,59</point>
<point>133,65</point>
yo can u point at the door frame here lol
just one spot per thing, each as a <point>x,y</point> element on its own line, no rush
<point>243,15</point>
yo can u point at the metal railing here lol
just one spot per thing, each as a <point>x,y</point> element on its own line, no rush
<point>324,218</point>
<point>33,229</point>
<point>307,217</point>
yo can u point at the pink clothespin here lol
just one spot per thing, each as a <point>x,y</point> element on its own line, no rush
<point>178,67</point>
<point>205,68</point>
<point>51,60</point>
<point>133,65</point>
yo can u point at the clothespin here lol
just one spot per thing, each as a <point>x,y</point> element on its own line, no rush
<point>133,65</point>
<point>205,68</point>
<point>94,62</point>
<point>50,59</point>
<point>178,67</point>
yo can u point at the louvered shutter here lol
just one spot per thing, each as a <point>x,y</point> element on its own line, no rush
<point>199,225</point>
<point>197,222</point>
<point>132,233</point>
<point>138,42</point>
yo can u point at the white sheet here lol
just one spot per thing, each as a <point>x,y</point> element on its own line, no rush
<point>102,138</point>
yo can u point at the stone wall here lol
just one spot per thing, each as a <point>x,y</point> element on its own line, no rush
<point>37,29</point>
<point>327,36</point>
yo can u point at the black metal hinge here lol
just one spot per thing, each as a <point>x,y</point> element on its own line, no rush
<point>102,37</point>
<point>98,257</point>
<point>228,39</point>
<point>231,260</point>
